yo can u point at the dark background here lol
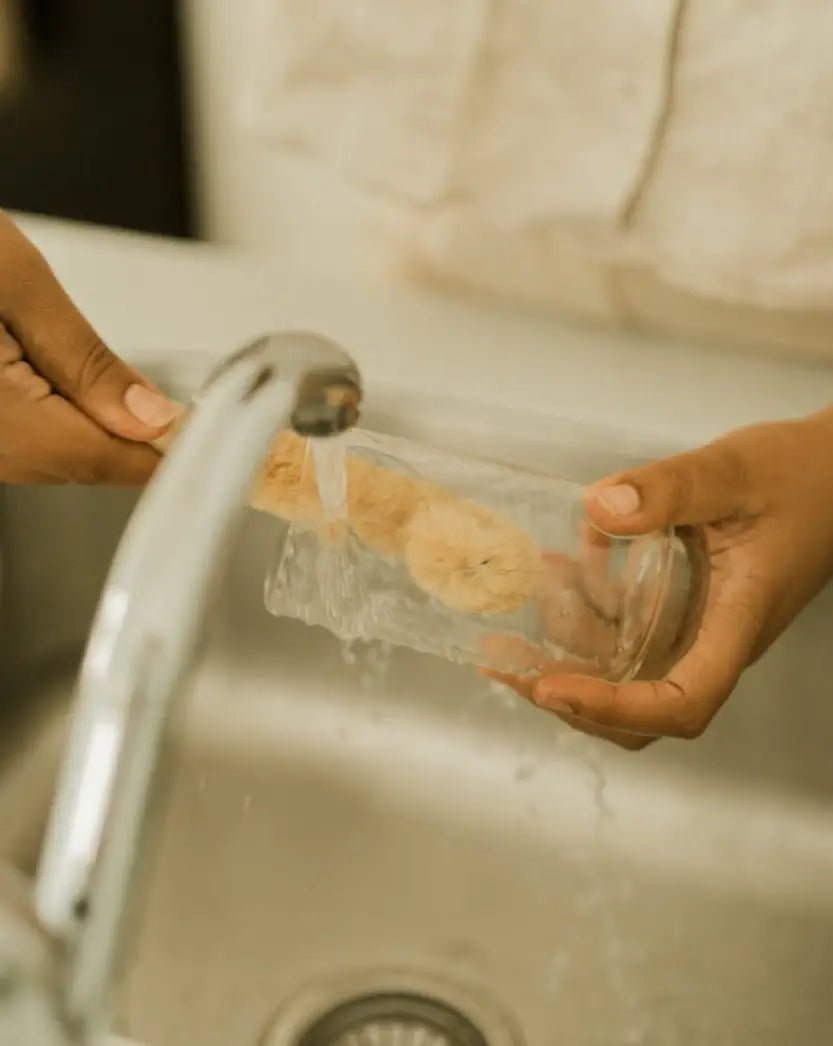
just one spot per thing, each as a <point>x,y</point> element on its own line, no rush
<point>92,128</point>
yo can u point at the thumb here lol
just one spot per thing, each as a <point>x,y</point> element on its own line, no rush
<point>700,486</point>
<point>62,346</point>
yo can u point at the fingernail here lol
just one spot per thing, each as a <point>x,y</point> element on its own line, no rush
<point>150,407</point>
<point>621,500</point>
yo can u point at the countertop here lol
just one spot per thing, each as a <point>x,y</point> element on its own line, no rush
<point>148,296</point>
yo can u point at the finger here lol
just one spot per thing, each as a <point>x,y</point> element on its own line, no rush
<point>701,486</point>
<point>525,683</point>
<point>53,441</point>
<point>594,560</point>
<point>89,455</point>
<point>66,350</point>
<point>650,709</point>
<point>683,704</point>
<point>569,614</point>
<point>680,706</point>
<point>525,687</point>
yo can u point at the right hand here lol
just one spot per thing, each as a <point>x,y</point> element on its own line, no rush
<point>763,497</point>
<point>70,410</point>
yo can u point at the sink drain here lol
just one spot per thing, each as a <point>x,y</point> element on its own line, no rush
<point>399,1007</point>
<point>398,1019</point>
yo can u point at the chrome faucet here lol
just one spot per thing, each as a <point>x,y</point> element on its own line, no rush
<point>143,642</point>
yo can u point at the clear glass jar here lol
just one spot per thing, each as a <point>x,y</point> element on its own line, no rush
<point>470,560</point>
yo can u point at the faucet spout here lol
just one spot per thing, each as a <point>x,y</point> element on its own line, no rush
<point>146,635</point>
<point>325,382</point>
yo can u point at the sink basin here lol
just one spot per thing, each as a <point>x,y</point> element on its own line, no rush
<point>362,824</point>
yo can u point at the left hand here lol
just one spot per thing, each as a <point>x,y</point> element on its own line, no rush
<point>70,410</point>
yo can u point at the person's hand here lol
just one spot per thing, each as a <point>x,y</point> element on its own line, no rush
<point>70,410</point>
<point>764,499</point>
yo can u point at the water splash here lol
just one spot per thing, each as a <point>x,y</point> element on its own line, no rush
<point>337,581</point>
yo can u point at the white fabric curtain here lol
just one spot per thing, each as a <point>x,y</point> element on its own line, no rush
<point>615,158</point>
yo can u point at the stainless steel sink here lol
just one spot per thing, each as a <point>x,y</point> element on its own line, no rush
<point>352,825</point>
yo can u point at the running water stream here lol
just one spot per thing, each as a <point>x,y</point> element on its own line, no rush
<point>329,457</point>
